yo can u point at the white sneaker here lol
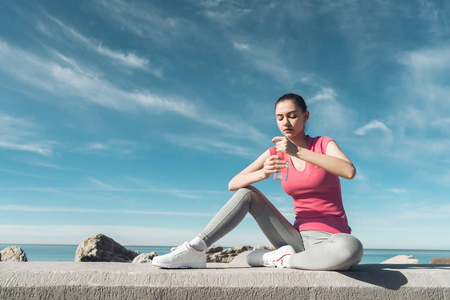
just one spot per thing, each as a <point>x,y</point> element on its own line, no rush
<point>183,256</point>
<point>255,258</point>
<point>278,258</point>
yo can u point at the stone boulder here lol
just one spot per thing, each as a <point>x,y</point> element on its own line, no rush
<point>144,258</point>
<point>440,261</point>
<point>102,248</point>
<point>401,259</point>
<point>214,249</point>
<point>271,248</point>
<point>227,255</point>
<point>13,254</point>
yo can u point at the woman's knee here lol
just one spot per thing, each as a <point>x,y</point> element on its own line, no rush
<point>350,248</point>
<point>251,196</point>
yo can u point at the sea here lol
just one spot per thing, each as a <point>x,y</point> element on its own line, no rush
<point>66,253</point>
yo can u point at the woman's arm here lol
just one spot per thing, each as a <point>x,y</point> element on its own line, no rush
<point>334,161</point>
<point>259,170</point>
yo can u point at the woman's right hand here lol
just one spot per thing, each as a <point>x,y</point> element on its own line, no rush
<point>260,169</point>
<point>273,165</point>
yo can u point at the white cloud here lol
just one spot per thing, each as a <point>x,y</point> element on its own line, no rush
<point>23,173</point>
<point>373,125</point>
<point>72,80</point>
<point>209,144</point>
<point>22,135</point>
<point>75,234</point>
<point>210,3</point>
<point>115,147</point>
<point>228,16</point>
<point>97,146</point>
<point>398,191</point>
<point>241,46</point>
<point>128,59</point>
<point>427,65</point>
<point>420,113</point>
<point>427,212</point>
<point>266,59</point>
<point>146,20</point>
<point>443,122</point>
<point>41,209</point>
<point>328,115</point>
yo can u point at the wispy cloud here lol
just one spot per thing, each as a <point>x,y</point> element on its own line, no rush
<point>22,173</point>
<point>20,134</point>
<point>128,58</point>
<point>226,16</point>
<point>75,234</point>
<point>101,186</point>
<point>329,115</point>
<point>209,144</point>
<point>146,20</point>
<point>430,212</point>
<point>71,79</point>
<point>241,46</point>
<point>398,191</point>
<point>109,147</point>
<point>267,59</point>
<point>420,118</point>
<point>373,125</point>
<point>41,209</point>
<point>51,166</point>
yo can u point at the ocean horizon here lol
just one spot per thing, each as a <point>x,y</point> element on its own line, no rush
<point>66,253</point>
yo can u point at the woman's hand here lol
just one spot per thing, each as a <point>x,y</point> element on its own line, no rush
<point>285,145</point>
<point>273,165</point>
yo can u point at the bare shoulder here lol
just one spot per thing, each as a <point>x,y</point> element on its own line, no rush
<point>334,150</point>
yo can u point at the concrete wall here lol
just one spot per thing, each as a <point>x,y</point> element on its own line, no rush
<point>52,280</point>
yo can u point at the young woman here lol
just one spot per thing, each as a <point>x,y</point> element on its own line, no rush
<point>320,237</point>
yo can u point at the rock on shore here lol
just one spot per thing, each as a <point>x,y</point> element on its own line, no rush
<point>102,248</point>
<point>144,258</point>
<point>13,254</point>
<point>216,254</point>
<point>440,261</point>
<point>401,259</point>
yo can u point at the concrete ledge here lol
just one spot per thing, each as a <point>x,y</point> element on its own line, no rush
<point>53,280</point>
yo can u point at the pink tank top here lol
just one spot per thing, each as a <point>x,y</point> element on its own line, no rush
<point>316,193</point>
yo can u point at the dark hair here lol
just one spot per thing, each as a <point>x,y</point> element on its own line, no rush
<point>293,97</point>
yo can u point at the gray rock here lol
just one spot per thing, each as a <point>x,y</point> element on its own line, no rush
<point>440,261</point>
<point>227,255</point>
<point>13,254</point>
<point>271,248</point>
<point>102,248</point>
<point>214,249</point>
<point>144,258</point>
<point>401,259</point>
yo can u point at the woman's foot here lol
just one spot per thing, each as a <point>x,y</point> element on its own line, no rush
<point>183,256</point>
<point>277,258</point>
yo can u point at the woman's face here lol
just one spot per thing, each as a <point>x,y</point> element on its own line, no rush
<point>290,118</point>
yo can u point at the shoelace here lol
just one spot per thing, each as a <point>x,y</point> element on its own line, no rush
<point>269,262</point>
<point>179,249</point>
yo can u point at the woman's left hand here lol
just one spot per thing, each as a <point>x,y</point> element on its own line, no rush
<point>285,145</point>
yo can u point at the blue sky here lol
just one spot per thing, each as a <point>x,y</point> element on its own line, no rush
<point>129,118</point>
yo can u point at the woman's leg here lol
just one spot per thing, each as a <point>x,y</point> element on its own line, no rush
<point>247,200</point>
<point>277,229</point>
<point>327,251</point>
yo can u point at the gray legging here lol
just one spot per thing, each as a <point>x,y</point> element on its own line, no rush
<point>316,250</point>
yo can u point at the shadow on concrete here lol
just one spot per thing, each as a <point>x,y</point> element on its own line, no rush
<point>413,266</point>
<point>379,276</point>
<point>387,275</point>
